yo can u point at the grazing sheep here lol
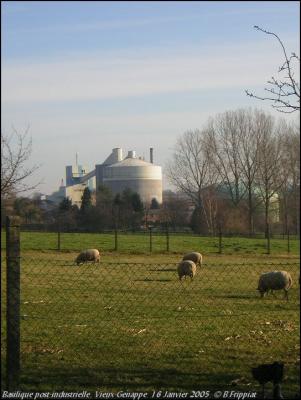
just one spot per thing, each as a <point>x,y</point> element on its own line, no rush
<point>88,255</point>
<point>186,268</point>
<point>275,280</point>
<point>195,257</point>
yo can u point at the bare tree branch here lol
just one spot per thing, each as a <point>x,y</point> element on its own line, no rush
<point>285,93</point>
<point>14,160</point>
<point>190,168</point>
<point>223,138</point>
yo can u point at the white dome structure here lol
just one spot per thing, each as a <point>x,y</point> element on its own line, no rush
<point>136,174</point>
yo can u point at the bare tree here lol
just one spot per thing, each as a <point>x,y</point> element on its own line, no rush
<point>240,144</point>
<point>251,126</point>
<point>175,211</point>
<point>223,139</point>
<point>233,143</point>
<point>190,169</point>
<point>290,172</point>
<point>211,206</point>
<point>244,151</point>
<point>270,159</point>
<point>16,150</point>
<point>284,91</point>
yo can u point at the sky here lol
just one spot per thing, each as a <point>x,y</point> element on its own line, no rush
<point>87,77</point>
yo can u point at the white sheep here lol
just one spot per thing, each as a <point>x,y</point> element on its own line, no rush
<point>186,268</point>
<point>88,255</point>
<point>195,257</point>
<point>275,280</point>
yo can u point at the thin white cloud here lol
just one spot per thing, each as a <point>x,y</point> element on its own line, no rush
<point>104,25</point>
<point>91,77</point>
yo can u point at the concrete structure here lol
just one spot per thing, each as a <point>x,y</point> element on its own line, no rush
<point>76,182</point>
<point>117,173</point>
<point>140,176</point>
<point>73,192</point>
<point>78,175</point>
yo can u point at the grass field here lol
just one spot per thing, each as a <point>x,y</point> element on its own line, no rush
<point>140,243</point>
<point>128,324</point>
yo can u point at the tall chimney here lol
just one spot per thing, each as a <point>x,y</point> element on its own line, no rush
<point>151,155</point>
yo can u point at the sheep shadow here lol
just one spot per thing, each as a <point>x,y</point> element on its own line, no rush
<point>152,280</point>
<point>136,378</point>
<point>236,296</point>
<point>163,270</point>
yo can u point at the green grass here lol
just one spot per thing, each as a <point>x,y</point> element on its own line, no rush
<point>140,243</point>
<point>133,326</point>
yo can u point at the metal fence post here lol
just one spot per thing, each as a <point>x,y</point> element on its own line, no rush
<point>116,239</point>
<point>220,249</point>
<point>59,239</point>
<point>288,242</point>
<point>13,303</point>
<point>167,238</point>
<point>150,239</point>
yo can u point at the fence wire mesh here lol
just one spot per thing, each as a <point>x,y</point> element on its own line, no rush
<point>135,326</point>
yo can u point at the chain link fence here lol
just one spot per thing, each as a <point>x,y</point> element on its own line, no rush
<point>157,242</point>
<point>135,326</point>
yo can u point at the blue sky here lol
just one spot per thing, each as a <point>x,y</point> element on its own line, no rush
<point>90,76</point>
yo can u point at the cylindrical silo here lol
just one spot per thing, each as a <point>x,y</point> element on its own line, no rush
<point>140,176</point>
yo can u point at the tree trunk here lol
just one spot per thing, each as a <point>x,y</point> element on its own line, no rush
<point>267,230</point>
<point>250,212</point>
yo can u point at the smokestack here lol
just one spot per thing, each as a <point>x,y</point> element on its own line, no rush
<point>151,155</point>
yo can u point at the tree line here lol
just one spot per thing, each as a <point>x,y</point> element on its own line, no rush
<point>239,168</point>
<point>99,211</point>
<point>123,211</point>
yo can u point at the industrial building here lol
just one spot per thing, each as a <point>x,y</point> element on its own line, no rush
<point>117,173</point>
